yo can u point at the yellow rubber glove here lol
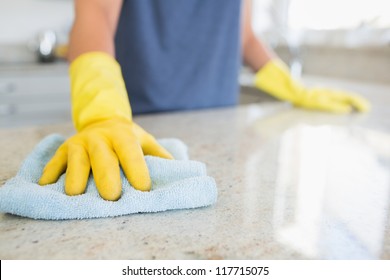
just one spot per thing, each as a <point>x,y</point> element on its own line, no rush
<point>106,134</point>
<point>274,78</point>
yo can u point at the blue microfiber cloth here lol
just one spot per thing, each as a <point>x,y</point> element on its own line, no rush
<point>176,184</point>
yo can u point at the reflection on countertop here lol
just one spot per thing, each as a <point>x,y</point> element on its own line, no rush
<point>292,184</point>
<point>332,191</point>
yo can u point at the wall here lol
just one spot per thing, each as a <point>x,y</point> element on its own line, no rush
<point>21,20</point>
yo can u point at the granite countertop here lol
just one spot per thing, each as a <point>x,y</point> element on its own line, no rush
<point>292,184</point>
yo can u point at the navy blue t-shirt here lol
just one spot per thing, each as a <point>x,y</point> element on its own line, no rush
<point>179,54</point>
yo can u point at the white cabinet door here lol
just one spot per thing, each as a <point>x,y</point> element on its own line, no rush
<point>36,95</point>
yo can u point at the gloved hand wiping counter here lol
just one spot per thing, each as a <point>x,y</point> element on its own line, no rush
<point>107,138</point>
<point>106,133</point>
<point>275,79</point>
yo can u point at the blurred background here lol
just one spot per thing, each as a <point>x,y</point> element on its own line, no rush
<point>342,39</point>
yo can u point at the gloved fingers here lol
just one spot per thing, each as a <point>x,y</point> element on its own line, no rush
<point>105,168</point>
<point>325,100</point>
<point>335,107</point>
<point>133,162</point>
<point>359,103</point>
<point>151,147</point>
<point>327,105</point>
<point>78,170</point>
<point>55,167</point>
<point>149,144</point>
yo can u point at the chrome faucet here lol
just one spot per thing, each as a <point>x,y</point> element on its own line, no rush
<point>47,41</point>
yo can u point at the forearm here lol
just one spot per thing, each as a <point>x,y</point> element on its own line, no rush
<point>97,88</point>
<point>94,27</point>
<point>255,53</point>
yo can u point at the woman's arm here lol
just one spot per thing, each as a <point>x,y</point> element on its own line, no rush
<point>255,53</point>
<point>94,27</point>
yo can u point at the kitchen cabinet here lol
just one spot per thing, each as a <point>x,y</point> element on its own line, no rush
<point>34,94</point>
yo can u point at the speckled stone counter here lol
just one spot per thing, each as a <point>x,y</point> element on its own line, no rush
<point>292,185</point>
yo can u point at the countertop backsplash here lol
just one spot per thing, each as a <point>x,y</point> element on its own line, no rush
<point>369,64</point>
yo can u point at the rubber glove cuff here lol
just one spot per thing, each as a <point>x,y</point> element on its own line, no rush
<point>98,91</point>
<point>275,79</point>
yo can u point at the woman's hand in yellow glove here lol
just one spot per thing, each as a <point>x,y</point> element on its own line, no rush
<point>102,146</point>
<point>274,78</point>
<point>107,137</point>
<point>331,100</point>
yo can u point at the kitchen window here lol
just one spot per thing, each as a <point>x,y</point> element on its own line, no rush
<point>347,23</point>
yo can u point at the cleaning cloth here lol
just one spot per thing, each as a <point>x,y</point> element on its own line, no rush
<point>176,184</point>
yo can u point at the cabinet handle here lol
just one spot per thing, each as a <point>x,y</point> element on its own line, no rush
<point>7,109</point>
<point>6,88</point>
